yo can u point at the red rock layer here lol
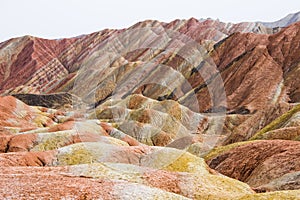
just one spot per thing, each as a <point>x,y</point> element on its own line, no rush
<point>258,163</point>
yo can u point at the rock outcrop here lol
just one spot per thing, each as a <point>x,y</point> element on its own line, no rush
<point>261,163</point>
<point>59,100</point>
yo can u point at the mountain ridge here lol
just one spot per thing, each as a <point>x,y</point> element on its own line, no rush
<point>286,21</point>
<point>191,109</point>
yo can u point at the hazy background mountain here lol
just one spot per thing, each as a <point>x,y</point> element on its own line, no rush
<point>286,21</point>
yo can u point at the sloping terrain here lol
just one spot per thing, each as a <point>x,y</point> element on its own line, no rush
<point>191,109</point>
<point>286,21</point>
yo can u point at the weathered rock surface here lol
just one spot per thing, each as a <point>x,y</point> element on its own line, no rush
<point>152,122</point>
<point>49,182</point>
<point>284,127</point>
<point>261,163</point>
<point>65,57</point>
<point>237,56</point>
<point>134,110</point>
<point>16,116</point>
<point>59,100</point>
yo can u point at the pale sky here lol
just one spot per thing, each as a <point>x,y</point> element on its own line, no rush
<point>66,18</point>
